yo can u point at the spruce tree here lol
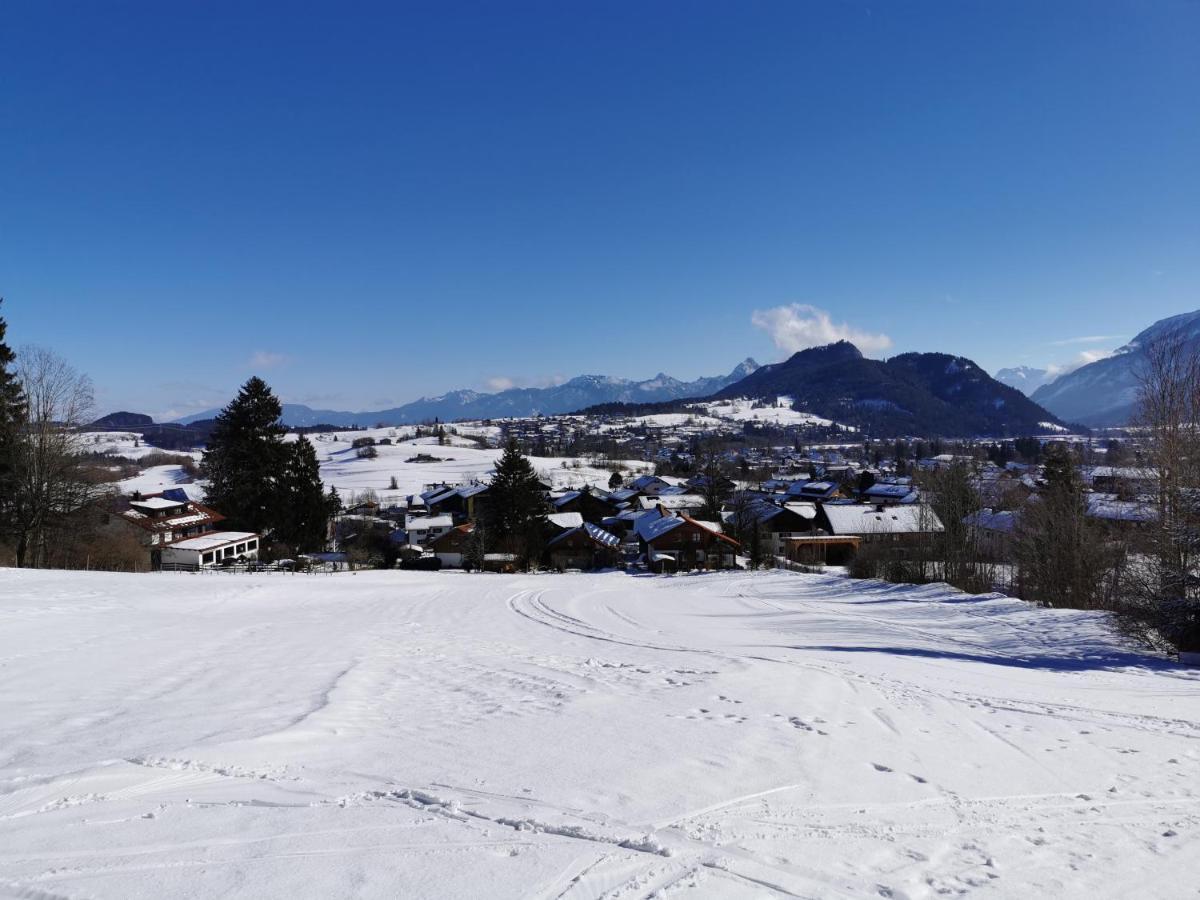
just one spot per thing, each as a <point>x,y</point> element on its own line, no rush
<point>13,412</point>
<point>304,508</point>
<point>246,460</point>
<point>516,507</point>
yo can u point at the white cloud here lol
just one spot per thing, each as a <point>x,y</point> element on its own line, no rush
<point>1084,357</point>
<point>799,326</point>
<point>1087,339</point>
<point>265,359</point>
<point>505,382</point>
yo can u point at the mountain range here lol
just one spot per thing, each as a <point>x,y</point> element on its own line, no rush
<point>913,393</point>
<point>1104,393</point>
<point>580,392</point>
<point>1025,379</point>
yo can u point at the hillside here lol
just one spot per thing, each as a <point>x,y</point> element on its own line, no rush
<point>739,735</point>
<point>1104,393</point>
<point>913,393</point>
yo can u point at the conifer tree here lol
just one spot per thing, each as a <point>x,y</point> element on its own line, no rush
<point>13,412</point>
<point>246,459</point>
<point>304,507</point>
<point>516,507</point>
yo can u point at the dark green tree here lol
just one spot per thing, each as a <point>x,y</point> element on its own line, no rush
<point>615,481</point>
<point>304,507</point>
<point>515,520</point>
<point>246,460</point>
<point>13,414</point>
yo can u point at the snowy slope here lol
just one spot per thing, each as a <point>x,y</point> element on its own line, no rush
<point>342,468</point>
<point>397,734</point>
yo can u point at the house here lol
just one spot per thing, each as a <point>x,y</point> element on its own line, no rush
<point>451,546</point>
<point>160,520</point>
<point>682,503</point>
<point>558,522</point>
<point>210,550</point>
<point>587,546</point>
<point>993,531</point>
<point>594,506</point>
<point>423,530</point>
<point>876,523</point>
<point>677,542</point>
<point>817,491</point>
<point>889,494</point>
<point>777,524</point>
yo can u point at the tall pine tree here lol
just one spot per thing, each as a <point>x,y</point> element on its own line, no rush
<point>246,460</point>
<point>305,508</point>
<point>515,520</point>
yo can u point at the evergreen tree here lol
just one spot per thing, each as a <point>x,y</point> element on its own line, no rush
<point>516,508</point>
<point>13,413</point>
<point>615,481</point>
<point>304,508</point>
<point>246,460</point>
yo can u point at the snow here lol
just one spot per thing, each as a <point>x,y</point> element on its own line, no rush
<point>742,410</point>
<point>159,478</point>
<point>213,540</point>
<point>408,734</point>
<point>342,468</point>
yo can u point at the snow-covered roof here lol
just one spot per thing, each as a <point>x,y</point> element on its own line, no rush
<point>648,528</point>
<point>213,540</point>
<point>153,503</point>
<point>1102,507</point>
<point>566,498</point>
<point>595,532</point>
<point>672,501</point>
<point>566,520</point>
<point>424,523</point>
<point>861,518</point>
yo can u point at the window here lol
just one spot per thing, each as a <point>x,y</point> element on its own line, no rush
<point>229,551</point>
<point>207,558</point>
<point>251,545</point>
<point>241,548</point>
<point>695,537</point>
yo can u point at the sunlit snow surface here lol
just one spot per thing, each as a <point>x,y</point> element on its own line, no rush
<point>401,734</point>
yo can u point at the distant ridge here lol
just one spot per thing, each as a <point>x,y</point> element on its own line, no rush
<point>925,394</point>
<point>584,390</point>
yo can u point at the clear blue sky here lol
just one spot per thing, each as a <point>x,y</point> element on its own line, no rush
<point>365,203</point>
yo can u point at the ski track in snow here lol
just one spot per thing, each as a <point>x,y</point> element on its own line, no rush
<point>567,737</point>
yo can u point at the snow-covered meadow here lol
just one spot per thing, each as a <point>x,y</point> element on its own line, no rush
<point>397,734</point>
<point>459,461</point>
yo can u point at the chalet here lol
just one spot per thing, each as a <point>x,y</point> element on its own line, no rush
<point>451,546</point>
<point>586,547</point>
<point>557,523</point>
<point>777,524</point>
<point>594,506</point>
<point>676,542</point>
<point>423,530</point>
<point>213,549</point>
<point>903,523</point>
<point>162,520</point>
<point>681,503</point>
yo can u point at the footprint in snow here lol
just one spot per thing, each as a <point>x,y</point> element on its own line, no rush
<point>881,768</point>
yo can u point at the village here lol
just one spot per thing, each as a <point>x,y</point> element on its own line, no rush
<point>742,498</point>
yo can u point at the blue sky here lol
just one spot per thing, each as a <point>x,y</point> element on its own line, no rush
<point>368,202</point>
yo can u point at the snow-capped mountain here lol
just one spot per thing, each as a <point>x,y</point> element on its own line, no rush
<point>1105,392</point>
<point>581,391</point>
<point>1025,379</point>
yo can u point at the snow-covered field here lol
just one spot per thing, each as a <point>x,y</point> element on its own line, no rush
<point>398,734</point>
<point>459,462</point>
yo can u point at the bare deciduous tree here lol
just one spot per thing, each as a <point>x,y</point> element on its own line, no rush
<point>52,483</point>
